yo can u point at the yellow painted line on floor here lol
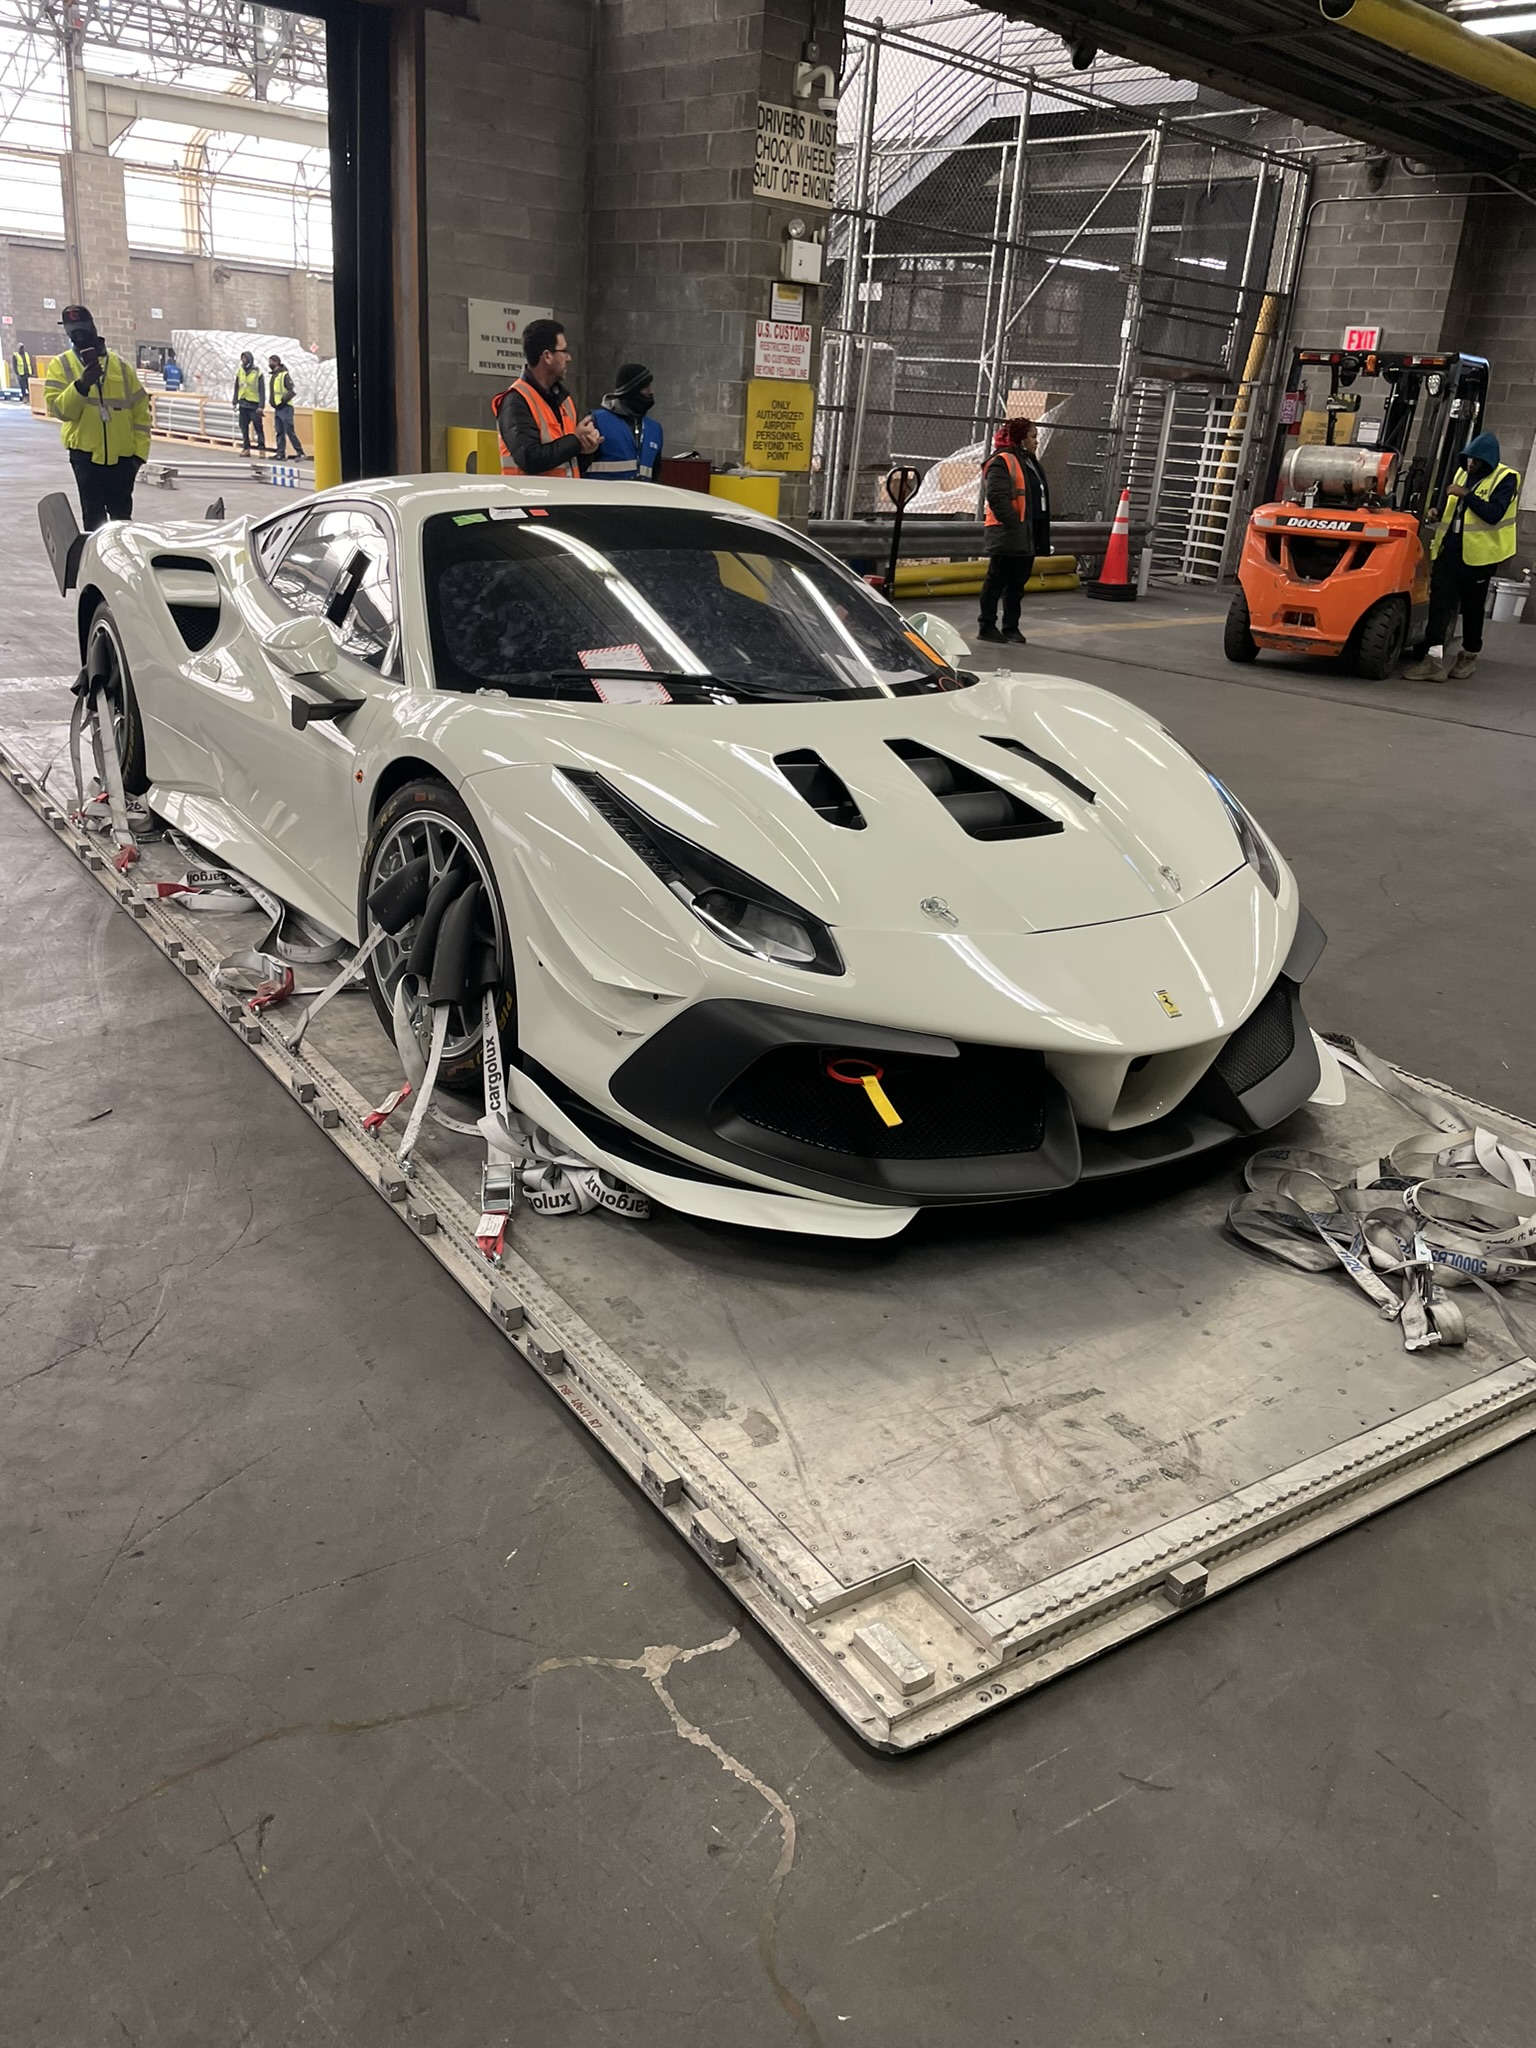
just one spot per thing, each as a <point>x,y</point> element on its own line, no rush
<point>1130,625</point>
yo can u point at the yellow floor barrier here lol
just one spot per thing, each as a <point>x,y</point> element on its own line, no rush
<point>964,579</point>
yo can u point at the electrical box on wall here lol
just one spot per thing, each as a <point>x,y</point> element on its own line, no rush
<point>802,262</point>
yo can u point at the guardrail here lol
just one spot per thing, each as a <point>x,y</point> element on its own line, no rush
<point>859,540</point>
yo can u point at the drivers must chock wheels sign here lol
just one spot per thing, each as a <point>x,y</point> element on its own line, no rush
<point>796,155</point>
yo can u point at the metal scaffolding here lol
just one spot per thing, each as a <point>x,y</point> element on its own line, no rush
<point>238,75</point>
<point>1115,261</point>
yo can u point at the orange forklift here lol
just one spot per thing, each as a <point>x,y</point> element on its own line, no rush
<point>1337,562</point>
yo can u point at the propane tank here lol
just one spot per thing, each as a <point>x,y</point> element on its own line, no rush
<point>1338,476</point>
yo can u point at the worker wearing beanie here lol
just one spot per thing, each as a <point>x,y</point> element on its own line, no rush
<point>1018,525</point>
<point>1474,531</point>
<point>631,444</point>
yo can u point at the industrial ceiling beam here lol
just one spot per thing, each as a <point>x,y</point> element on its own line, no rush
<point>1286,55</point>
<point>112,105</point>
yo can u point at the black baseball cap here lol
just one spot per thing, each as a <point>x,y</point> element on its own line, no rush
<point>77,316</point>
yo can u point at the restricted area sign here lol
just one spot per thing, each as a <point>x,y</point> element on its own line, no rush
<point>1361,341</point>
<point>496,336</point>
<point>779,419</point>
<point>782,348</point>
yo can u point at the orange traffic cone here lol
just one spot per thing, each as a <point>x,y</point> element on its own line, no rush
<point>1114,579</point>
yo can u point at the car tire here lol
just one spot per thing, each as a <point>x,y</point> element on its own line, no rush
<point>1237,641</point>
<point>426,815</point>
<point>103,634</point>
<point>1379,639</point>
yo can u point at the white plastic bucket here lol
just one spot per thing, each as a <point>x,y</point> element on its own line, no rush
<point>1508,600</point>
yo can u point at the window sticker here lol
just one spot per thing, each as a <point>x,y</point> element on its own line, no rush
<point>469,518</point>
<point>639,688</point>
<point>508,512</point>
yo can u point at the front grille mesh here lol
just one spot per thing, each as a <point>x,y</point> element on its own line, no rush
<point>1263,1043</point>
<point>989,1102</point>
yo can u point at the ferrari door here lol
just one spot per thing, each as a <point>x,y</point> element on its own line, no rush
<point>291,788</point>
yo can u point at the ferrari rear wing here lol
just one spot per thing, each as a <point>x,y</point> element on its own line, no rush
<point>62,538</point>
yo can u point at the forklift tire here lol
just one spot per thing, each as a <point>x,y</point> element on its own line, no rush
<point>1237,641</point>
<point>1379,639</point>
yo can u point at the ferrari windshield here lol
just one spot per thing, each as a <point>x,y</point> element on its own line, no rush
<point>651,604</point>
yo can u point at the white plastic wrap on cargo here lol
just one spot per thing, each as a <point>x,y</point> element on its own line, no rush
<point>210,356</point>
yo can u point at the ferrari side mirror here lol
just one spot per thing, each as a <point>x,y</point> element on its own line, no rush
<point>302,647</point>
<point>946,640</point>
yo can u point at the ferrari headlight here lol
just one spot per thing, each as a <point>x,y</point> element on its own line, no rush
<point>1256,848</point>
<point>742,912</point>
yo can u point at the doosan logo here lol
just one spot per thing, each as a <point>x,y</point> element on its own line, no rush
<point>1325,525</point>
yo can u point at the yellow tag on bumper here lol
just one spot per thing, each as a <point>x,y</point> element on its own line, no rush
<point>884,1107</point>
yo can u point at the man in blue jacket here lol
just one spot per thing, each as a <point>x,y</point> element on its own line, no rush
<point>631,443</point>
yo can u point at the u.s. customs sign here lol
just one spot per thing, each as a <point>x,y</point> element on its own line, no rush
<point>796,155</point>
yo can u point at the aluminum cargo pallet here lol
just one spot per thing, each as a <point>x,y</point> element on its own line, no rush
<point>940,1469</point>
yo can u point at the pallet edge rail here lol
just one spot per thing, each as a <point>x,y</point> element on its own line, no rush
<point>839,1634</point>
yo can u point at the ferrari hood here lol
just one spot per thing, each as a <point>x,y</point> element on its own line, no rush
<point>1114,818</point>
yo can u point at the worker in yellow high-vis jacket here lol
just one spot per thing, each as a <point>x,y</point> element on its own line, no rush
<point>1474,532</point>
<point>249,397</point>
<point>103,415</point>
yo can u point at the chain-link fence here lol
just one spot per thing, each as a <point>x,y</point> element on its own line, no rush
<point>1007,242</point>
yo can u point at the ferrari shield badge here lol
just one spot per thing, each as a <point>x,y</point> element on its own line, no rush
<point>1168,1003</point>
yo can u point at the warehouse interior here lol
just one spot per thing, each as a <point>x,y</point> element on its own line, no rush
<point>369,1673</point>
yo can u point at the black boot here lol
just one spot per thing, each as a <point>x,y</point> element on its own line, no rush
<point>988,633</point>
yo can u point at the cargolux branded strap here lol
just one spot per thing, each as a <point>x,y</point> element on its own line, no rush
<point>548,1176</point>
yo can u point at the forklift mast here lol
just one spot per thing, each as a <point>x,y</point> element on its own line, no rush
<point>1430,406</point>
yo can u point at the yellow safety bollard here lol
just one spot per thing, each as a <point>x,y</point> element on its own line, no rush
<point>326,448</point>
<point>760,492</point>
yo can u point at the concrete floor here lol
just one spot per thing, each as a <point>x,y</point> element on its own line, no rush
<point>451,1784</point>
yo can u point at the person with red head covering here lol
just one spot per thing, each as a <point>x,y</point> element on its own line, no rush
<point>1018,518</point>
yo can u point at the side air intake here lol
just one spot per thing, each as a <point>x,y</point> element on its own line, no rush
<point>822,788</point>
<point>980,808</point>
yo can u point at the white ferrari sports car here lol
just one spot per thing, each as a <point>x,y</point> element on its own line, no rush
<point>788,919</point>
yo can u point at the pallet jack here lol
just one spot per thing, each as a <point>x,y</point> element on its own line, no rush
<point>1335,562</point>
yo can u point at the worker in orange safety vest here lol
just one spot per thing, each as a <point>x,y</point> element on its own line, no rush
<point>536,416</point>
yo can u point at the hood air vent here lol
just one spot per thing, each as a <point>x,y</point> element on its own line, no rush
<point>1063,775</point>
<point>822,788</point>
<point>980,808</point>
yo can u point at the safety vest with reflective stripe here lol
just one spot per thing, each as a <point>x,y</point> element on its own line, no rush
<point>552,425</point>
<point>629,453</point>
<point>1482,544</point>
<point>112,422</point>
<point>23,362</point>
<point>281,388</point>
<point>1020,489</point>
<point>248,386</point>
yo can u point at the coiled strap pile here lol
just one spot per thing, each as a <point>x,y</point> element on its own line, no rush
<point>1451,1208</point>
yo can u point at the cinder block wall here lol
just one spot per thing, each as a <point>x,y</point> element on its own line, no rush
<point>96,224</point>
<point>681,255</point>
<point>1437,270</point>
<point>1494,315</point>
<point>1389,258</point>
<point>508,117</point>
<point>596,156</point>
<point>190,291</point>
